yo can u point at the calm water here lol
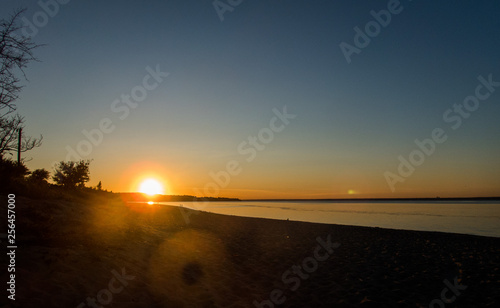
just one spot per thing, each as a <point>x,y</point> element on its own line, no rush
<point>479,218</point>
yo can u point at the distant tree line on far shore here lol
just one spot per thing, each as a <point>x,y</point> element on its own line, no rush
<point>140,197</point>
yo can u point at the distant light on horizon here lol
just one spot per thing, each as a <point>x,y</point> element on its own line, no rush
<point>354,119</point>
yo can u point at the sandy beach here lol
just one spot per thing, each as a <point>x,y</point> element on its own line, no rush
<point>102,252</point>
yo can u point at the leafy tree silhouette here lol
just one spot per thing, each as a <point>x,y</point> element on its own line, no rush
<point>72,174</point>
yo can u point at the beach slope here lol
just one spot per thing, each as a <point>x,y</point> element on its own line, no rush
<point>103,252</point>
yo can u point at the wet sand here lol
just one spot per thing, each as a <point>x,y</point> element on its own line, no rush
<point>103,252</point>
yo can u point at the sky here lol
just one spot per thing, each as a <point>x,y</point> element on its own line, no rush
<point>268,99</point>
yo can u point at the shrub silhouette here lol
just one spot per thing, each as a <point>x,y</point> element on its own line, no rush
<point>12,175</point>
<point>39,176</point>
<point>72,174</point>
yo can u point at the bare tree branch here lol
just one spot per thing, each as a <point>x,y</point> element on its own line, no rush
<point>16,52</point>
<point>9,136</point>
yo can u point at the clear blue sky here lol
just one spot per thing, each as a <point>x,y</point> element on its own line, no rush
<point>353,120</point>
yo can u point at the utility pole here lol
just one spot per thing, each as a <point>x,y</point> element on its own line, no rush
<point>19,146</point>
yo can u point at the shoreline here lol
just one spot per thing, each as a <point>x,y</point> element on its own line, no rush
<point>141,197</point>
<point>347,225</point>
<point>378,199</point>
<point>381,218</point>
<point>185,258</point>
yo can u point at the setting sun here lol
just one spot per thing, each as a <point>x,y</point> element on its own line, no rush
<point>151,187</point>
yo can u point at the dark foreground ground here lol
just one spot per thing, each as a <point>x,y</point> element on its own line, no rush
<point>101,252</point>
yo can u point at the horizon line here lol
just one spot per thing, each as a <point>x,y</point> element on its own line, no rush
<point>330,199</point>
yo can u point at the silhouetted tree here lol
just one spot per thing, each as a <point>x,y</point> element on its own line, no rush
<point>99,186</point>
<point>11,174</point>
<point>16,52</point>
<point>72,174</point>
<point>39,176</point>
<point>9,136</point>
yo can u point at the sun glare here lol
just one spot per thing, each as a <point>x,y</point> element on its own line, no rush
<point>151,187</point>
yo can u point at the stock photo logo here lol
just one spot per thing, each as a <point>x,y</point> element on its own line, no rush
<point>249,148</point>
<point>48,9</point>
<point>234,153</point>
<point>121,107</point>
<point>292,277</point>
<point>363,36</point>
<point>225,6</point>
<point>454,117</point>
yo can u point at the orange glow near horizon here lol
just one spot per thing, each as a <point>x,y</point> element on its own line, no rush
<point>151,187</point>
<point>146,177</point>
<point>251,185</point>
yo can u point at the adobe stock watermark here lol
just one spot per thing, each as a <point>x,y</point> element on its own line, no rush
<point>221,7</point>
<point>115,286</point>
<point>455,288</point>
<point>294,275</point>
<point>248,148</point>
<point>453,116</point>
<point>120,107</point>
<point>48,9</point>
<point>362,37</point>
